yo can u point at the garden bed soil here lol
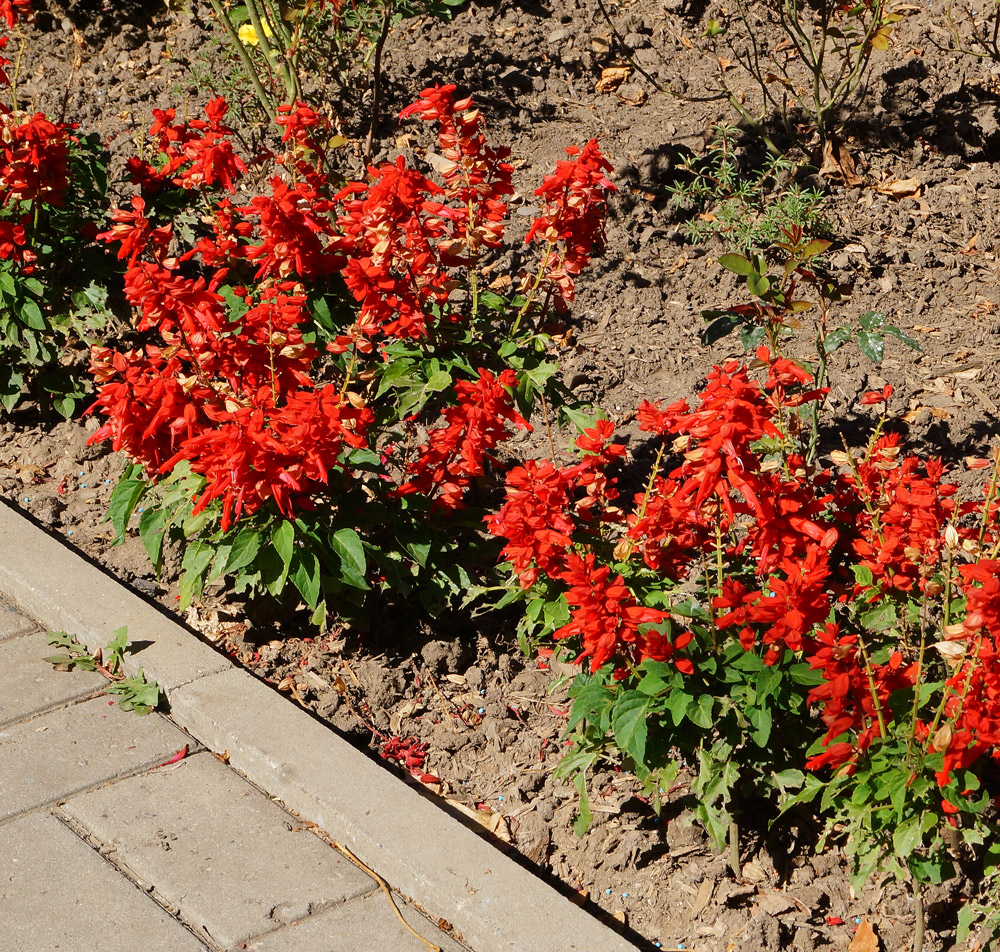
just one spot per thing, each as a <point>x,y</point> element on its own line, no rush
<point>493,721</point>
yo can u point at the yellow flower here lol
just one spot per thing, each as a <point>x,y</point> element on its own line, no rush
<point>248,35</point>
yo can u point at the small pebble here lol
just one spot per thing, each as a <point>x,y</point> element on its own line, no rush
<point>70,532</point>
<point>481,710</point>
<point>500,798</point>
<point>107,482</point>
<point>82,473</point>
<point>624,895</point>
<point>26,499</point>
<point>83,485</point>
<point>607,892</point>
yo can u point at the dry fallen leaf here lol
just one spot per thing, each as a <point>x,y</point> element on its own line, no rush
<point>970,246</point>
<point>496,823</point>
<point>703,898</point>
<point>611,78</point>
<point>632,94</point>
<point>838,163</point>
<point>775,904</point>
<point>864,939</point>
<point>901,188</point>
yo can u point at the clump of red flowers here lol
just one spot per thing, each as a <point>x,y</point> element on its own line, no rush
<point>235,380</point>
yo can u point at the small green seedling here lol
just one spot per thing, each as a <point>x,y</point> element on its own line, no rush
<point>74,656</point>
<point>134,694</point>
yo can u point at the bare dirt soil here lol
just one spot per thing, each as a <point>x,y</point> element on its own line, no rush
<point>494,721</point>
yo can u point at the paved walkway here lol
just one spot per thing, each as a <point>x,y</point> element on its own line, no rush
<point>106,846</point>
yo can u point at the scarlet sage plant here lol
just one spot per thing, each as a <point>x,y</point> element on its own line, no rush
<point>53,186</point>
<point>787,630</point>
<point>324,379</point>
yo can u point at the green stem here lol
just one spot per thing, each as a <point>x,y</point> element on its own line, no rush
<point>234,38</point>
<point>529,300</point>
<point>272,52</point>
<point>991,494</point>
<point>871,686</point>
<point>918,911</point>
<point>377,79</point>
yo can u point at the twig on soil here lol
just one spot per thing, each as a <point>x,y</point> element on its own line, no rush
<point>388,893</point>
<point>450,714</point>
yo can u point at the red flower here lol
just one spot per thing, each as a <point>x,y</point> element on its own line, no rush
<point>457,452</point>
<point>604,612</point>
<point>14,10</point>
<point>571,226</point>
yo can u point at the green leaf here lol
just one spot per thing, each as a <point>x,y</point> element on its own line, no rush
<point>758,284</point>
<point>581,421</point>
<point>880,618</point>
<point>700,712</point>
<point>304,574</point>
<point>152,526</point>
<point>752,336</point>
<point>789,778</point>
<point>628,721</point>
<point>720,328</point>
<point>351,552</point>
<point>902,337</point>
<point>283,540</point>
<point>737,264</point>
<point>872,320</point>
<point>124,498</point>
<point>114,653</point>
<point>197,557</point>
<point>591,703</point>
<point>31,315</point>
<point>677,704</point>
<point>585,817</point>
<point>863,575</point>
<point>815,247</point>
<point>652,685</point>
<point>246,545</point>
<point>836,338</point>
<point>906,837</point>
<point>871,345</point>
<point>237,306</point>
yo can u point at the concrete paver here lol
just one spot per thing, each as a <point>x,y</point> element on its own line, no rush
<point>421,851</point>
<point>58,893</point>
<point>218,849</point>
<point>371,917</point>
<point>62,752</point>
<point>13,623</point>
<point>28,684</point>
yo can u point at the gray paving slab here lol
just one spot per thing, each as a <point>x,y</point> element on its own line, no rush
<point>57,893</point>
<point>51,583</point>
<point>217,848</point>
<point>362,925</point>
<point>406,837</point>
<point>56,754</point>
<point>28,684</point>
<point>13,623</point>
